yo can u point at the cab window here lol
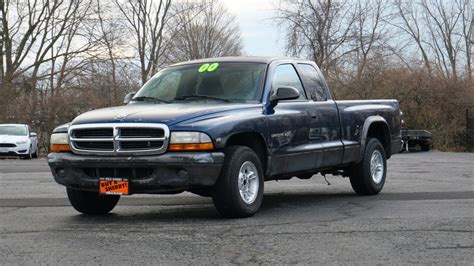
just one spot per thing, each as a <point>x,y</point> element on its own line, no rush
<point>285,75</point>
<point>314,82</point>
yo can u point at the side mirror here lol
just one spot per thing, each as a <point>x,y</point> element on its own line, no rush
<point>128,98</point>
<point>33,135</point>
<point>284,93</point>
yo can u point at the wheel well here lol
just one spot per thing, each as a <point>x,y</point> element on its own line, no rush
<point>379,130</point>
<point>252,140</point>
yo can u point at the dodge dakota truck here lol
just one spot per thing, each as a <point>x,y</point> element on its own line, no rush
<point>219,128</point>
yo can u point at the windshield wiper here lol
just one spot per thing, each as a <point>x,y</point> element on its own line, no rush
<point>145,98</point>
<point>198,96</point>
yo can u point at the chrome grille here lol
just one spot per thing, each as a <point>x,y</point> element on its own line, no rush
<point>140,145</point>
<point>93,133</point>
<point>119,138</point>
<point>95,145</point>
<point>141,133</point>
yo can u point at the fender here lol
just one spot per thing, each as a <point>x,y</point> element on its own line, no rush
<point>365,130</point>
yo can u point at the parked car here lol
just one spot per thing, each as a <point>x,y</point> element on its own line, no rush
<point>220,127</point>
<point>18,140</point>
<point>416,137</point>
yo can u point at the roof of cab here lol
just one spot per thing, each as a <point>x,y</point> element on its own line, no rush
<point>246,59</point>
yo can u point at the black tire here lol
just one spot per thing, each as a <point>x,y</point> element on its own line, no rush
<point>227,198</point>
<point>27,156</point>
<point>425,147</point>
<point>88,202</point>
<point>361,176</point>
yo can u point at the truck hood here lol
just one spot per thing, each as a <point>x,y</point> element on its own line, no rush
<point>12,139</point>
<point>157,113</point>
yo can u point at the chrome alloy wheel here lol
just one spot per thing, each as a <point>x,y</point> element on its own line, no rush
<point>377,166</point>
<point>248,182</point>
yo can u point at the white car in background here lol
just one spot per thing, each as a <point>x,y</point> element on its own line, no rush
<point>18,140</point>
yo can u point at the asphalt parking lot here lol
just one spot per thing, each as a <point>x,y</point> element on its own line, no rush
<point>425,214</point>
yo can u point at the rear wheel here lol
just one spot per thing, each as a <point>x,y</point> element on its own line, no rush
<point>88,202</point>
<point>239,190</point>
<point>368,176</point>
<point>425,147</point>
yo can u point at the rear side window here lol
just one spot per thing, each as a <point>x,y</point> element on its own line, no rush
<point>285,75</point>
<point>314,82</point>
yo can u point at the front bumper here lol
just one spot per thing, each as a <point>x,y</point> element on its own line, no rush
<point>14,151</point>
<point>146,174</point>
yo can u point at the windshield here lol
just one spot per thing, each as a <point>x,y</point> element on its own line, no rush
<point>209,81</point>
<point>13,130</point>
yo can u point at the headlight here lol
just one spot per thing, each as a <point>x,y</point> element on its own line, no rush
<point>21,142</point>
<point>190,141</point>
<point>59,142</point>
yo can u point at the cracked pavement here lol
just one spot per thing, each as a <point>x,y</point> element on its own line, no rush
<point>424,215</point>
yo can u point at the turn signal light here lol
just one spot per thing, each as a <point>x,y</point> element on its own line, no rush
<point>60,148</point>
<point>191,147</point>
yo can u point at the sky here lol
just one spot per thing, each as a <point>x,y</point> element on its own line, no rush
<point>260,36</point>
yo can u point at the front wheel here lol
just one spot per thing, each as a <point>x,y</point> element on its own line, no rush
<point>368,176</point>
<point>239,190</point>
<point>35,154</point>
<point>88,202</point>
<point>29,155</point>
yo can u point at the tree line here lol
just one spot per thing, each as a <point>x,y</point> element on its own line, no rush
<point>60,58</point>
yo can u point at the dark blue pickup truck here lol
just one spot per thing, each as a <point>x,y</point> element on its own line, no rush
<point>220,127</point>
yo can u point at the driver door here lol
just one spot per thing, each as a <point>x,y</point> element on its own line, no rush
<point>289,125</point>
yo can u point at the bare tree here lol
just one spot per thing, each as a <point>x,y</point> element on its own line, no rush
<point>206,29</point>
<point>42,40</point>
<point>317,29</point>
<point>364,66</point>
<point>39,30</point>
<point>148,22</point>
<point>466,9</point>
<point>440,30</point>
<point>408,14</point>
<point>112,50</point>
<point>442,21</point>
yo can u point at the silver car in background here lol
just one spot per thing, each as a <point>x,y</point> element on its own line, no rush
<point>18,140</point>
